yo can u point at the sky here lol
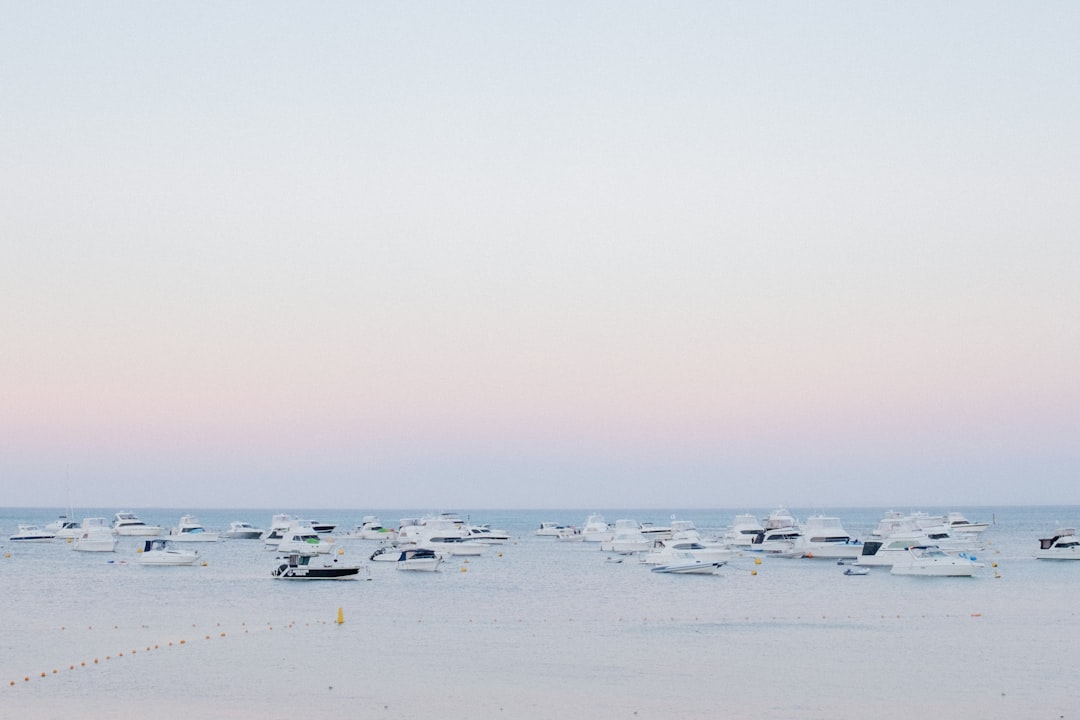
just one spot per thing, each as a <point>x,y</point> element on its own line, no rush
<point>539,255</point>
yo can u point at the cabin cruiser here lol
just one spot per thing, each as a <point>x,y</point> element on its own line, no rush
<point>371,528</point>
<point>385,553</point>
<point>64,529</point>
<point>778,541</point>
<point>626,538</point>
<point>596,529</point>
<point>240,530</point>
<point>688,564</point>
<point>825,537</point>
<point>486,534</point>
<point>667,552</point>
<point>418,559</point>
<point>128,523</point>
<point>279,525</point>
<point>743,530</point>
<point>97,536</point>
<point>549,529</point>
<point>32,533</point>
<point>1062,545</point>
<point>932,561</point>
<point>958,523</point>
<point>301,538</point>
<point>191,530</point>
<point>160,551</point>
<point>447,545</point>
<point>299,566</point>
<point>888,551</point>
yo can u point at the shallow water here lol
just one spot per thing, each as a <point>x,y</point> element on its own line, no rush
<point>536,628</point>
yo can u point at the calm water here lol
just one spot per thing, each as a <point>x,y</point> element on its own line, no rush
<point>536,628</point>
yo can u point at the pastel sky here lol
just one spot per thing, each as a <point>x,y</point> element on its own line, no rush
<point>559,254</point>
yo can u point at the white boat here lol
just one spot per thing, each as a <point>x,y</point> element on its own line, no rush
<point>64,529</point>
<point>931,561</point>
<point>1062,545</point>
<point>280,524</point>
<point>568,533</point>
<point>96,536</point>
<point>240,530</point>
<point>128,524</point>
<point>626,538</point>
<point>447,545</point>
<point>486,534</point>
<point>886,552</point>
<point>32,533</point>
<point>857,571</point>
<point>743,530</point>
<point>668,552</point>
<point>958,523</point>
<point>825,538</point>
<point>386,553</point>
<point>299,566</point>
<point>595,529</point>
<point>687,564</point>
<point>160,551</point>
<point>778,541</point>
<point>418,559</point>
<point>549,529</point>
<point>189,529</point>
<point>301,538</point>
<point>371,528</point>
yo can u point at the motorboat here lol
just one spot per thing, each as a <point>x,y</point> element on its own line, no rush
<point>1062,545</point>
<point>825,537</point>
<point>280,523</point>
<point>299,566</point>
<point>64,529</point>
<point>97,536</point>
<point>162,551</point>
<point>240,530</point>
<point>886,552</point>
<point>301,538</point>
<point>371,528</point>
<point>128,523</point>
<point>667,552</point>
<point>549,529</point>
<point>32,533</point>
<point>568,533</point>
<point>932,561</point>
<point>686,564</point>
<point>323,528</point>
<point>596,529</point>
<point>958,523</point>
<point>447,545</point>
<point>189,529</point>
<point>487,535</point>
<point>385,553</point>
<point>418,559</point>
<point>743,530</point>
<point>626,538</point>
<point>778,541</point>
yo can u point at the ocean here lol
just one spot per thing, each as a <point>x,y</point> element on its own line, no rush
<point>535,628</point>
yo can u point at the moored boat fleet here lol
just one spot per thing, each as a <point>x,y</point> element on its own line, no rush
<point>916,543</point>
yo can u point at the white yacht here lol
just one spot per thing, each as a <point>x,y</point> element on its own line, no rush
<point>743,530</point>
<point>1062,545</point>
<point>596,529</point>
<point>371,528</point>
<point>64,529</point>
<point>667,552</point>
<point>626,538</point>
<point>889,550</point>
<point>240,530</point>
<point>189,529</point>
<point>931,561</point>
<point>280,523</point>
<point>958,523</point>
<point>487,534</point>
<point>549,529</point>
<point>418,559</point>
<point>825,537</point>
<point>128,524</point>
<point>688,564</point>
<point>32,533</point>
<point>96,536</point>
<point>301,538</point>
<point>159,551</point>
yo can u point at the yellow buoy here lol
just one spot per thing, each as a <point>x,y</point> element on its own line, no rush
<point>463,568</point>
<point>757,561</point>
<point>340,616</point>
<point>753,572</point>
<point>341,551</point>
